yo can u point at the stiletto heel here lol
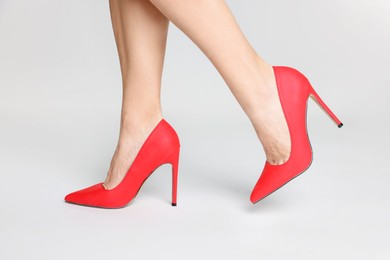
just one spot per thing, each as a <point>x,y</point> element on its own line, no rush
<point>325,108</point>
<point>174,160</point>
<point>294,90</point>
<point>162,146</point>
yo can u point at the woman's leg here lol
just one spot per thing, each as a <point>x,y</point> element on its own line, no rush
<point>211,26</point>
<point>140,32</point>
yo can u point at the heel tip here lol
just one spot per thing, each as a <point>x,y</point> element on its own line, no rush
<point>174,204</point>
<point>340,125</point>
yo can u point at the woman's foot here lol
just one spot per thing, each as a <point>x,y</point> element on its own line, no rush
<point>162,146</point>
<point>269,120</point>
<point>132,137</point>
<point>294,90</point>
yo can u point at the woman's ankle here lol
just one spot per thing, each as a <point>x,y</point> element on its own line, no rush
<point>133,127</point>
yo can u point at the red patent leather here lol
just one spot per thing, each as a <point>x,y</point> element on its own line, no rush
<point>162,146</point>
<point>294,90</point>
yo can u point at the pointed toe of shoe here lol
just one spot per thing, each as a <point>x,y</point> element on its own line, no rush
<point>74,197</point>
<point>70,197</point>
<point>274,177</point>
<point>253,198</point>
<point>87,196</point>
<point>269,181</point>
<point>261,190</point>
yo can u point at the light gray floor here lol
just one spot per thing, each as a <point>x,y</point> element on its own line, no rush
<point>59,118</point>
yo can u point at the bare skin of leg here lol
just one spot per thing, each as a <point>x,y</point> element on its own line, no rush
<point>140,32</point>
<point>212,27</point>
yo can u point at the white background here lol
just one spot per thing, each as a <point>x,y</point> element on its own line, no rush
<point>60,98</point>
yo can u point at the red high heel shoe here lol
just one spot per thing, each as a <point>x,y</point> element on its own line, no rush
<point>162,146</point>
<point>294,90</point>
